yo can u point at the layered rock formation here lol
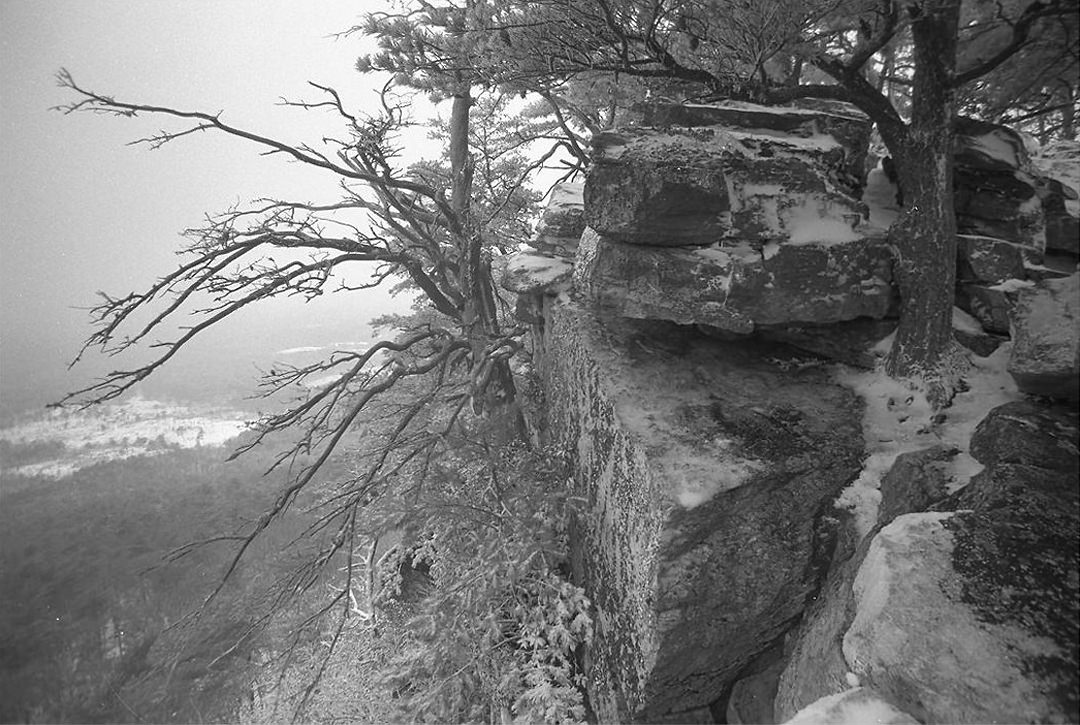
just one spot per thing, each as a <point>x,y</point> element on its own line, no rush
<point>673,298</point>
<point>702,533</point>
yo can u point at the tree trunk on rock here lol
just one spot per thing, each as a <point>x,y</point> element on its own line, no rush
<point>924,237</point>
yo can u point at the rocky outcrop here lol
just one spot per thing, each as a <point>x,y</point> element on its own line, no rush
<point>1060,163</point>
<point>736,287</point>
<point>707,449</point>
<point>703,183</point>
<point>816,666</point>
<point>1002,645</point>
<point>1046,339</point>
<point>969,613</point>
<point>529,272</point>
<point>996,186</point>
<point>562,222</point>
<point>992,305</point>
<point>1028,434</point>
<point>982,259</point>
<point>843,122</point>
<point>704,465</point>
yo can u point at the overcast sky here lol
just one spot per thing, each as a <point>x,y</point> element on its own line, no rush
<point>81,211</point>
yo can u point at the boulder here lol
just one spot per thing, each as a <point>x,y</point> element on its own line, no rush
<point>562,221</point>
<point>530,272</point>
<point>982,259</point>
<point>841,121</point>
<point>969,332</point>
<point>996,186</point>
<point>698,185</point>
<point>704,466</point>
<point>1045,357</point>
<point>991,305</point>
<point>816,666</point>
<point>972,616</point>
<point>736,287</point>
<point>1026,433</point>
<point>916,481</point>
<point>857,706</point>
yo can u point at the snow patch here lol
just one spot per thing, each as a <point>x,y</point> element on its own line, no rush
<point>1012,285</point>
<point>857,706</point>
<point>807,223</point>
<point>899,420</point>
<point>964,322</point>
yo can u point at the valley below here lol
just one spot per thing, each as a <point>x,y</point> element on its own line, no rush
<point>104,609</point>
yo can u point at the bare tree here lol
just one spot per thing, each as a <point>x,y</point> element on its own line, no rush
<point>413,224</point>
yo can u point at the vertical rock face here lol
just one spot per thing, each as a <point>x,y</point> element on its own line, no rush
<point>703,466</point>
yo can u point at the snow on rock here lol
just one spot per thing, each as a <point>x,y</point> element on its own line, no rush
<point>730,174</point>
<point>983,259</point>
<point>530,272</point>
<point>1060,160</point>
<point>857,706</point>
<point>880,199</point>
<point>947,623</point>
<point>899,420</point>
<point>736,287</point>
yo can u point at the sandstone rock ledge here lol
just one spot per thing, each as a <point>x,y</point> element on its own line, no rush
<point>705,467</point>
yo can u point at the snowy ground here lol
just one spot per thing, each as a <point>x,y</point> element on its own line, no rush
<point>116,431</point>
<point>898,420</point>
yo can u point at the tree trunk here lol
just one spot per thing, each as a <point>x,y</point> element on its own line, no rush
<point>924,238</point>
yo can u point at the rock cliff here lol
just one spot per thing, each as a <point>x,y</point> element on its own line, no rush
<point>753,546</point>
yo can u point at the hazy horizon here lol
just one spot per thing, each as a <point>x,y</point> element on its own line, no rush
<point>82,211</point>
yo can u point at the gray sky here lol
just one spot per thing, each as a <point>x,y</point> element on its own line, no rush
<point>81,211</point>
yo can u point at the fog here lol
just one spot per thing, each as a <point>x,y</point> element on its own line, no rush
<point>82,211</point>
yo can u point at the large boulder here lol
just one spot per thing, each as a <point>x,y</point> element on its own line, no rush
<point>704,467</point>
<point>996,186</point>
<point>972,616</point>
<point>562,221</point>
<point>686,183</point>
<point>737,287</point>
<point>816,666</point>
<point>991,305</point>
<point>1029,434</point>
<point>1046,339</point>
<point>982,259</point>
